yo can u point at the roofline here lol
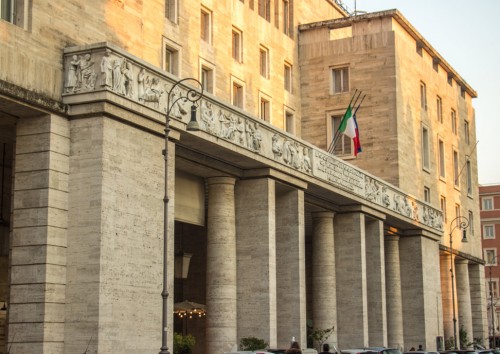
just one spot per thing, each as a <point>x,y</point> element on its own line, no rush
<point>398,16</point>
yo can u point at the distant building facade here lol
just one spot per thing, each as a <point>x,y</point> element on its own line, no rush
<point>490,229</point>
<point>281,235</point>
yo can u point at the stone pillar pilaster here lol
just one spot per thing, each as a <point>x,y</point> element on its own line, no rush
<point>39,236</point>
<point>324,285</point>
<point>420,284</point>
<point>290,267</point>
<point>376,287</point>
<point>221,319</point>
<point>395,337</point>
<point>463,297</point>
<point>352,304</point>
<point>256,255</point>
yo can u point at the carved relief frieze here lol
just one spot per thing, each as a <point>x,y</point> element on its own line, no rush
<point>107,68</point>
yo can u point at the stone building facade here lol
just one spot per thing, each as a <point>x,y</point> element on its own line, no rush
<point>281,234</point>
<point>490,228</point>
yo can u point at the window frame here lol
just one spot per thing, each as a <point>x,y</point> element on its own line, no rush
<point>345,143</point>
<point>338,75</point>
<point>487,202</point>
<point>442,205</point>
<point>206,17</point>
<point>264,9</point>
<point>264,61</point>
<point>289,120</point>
<point>426,156</point>
<point>453,118</point>
<point>238,97</point>
<point>176,57</point>
<point>486,234</point>
<point>439,109</point>
<point>423,96</point>
<point>441,159</point>
<point>427,194</point>
<point>172,11</point>
<point>456,168</point>
<point>209,68</point>
<point>487,258</point>
<point>288,77</point>
<point>237,44</point>
<point>466,131</point>
<point>265,108</point>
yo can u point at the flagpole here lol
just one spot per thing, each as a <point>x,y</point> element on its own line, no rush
<point>331,148</point>
<point>356,111</point>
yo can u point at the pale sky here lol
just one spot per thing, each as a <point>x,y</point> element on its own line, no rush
<point>467,35</point>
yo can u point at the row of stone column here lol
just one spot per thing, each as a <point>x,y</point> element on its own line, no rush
<point>376,289</point>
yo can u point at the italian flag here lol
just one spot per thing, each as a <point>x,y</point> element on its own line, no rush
<point>349,127</point>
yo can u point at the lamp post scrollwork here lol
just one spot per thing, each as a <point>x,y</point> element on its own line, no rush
<point>173,99</point>
<point>460,222</point>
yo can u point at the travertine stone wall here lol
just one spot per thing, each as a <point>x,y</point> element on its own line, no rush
<point>256,254</point>
<point>352,300</point>
<point>290,265</point>
<point>376,282</point>
<point>478,302</point>
<point>395,337</point>
<point>324,283</point>
<point>419,257</point>
<point>221,287</point>
<point>447,309</point>
<point>115,239</point>
<point>39,239</point>
<point>464,297</point>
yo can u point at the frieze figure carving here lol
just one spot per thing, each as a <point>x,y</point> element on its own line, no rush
<point>87,73</point>
<point>117,76</point>
<point>127,73</point>
<point>106,70</point>
<point>307,165</point>
<point>239,132</point>
<point>207,117</point>
<point>141,85</point>
<point>177,110</point>
<point>276,146</point>
<point>72,79</point>
<point>152,91</point>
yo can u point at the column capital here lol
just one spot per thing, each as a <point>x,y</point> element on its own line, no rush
<point>221,180</point>
<point>323,214</point>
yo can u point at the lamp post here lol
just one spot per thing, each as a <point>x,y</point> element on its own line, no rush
<point>193,96</point>
<point>492,307</point>
<point>460,222</point>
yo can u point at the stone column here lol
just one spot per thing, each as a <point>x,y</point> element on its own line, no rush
<point>39,235</point>
<point>420,285</point>
<point>376,287</point>
<point>393,280</point>
<point>290,267</point>
<point>464,313</point>
<point>445,264</point>
<point>256,257</point>
<point>221,267</point>
<point>324,285</point>
<point>478,301</point>
<point>352,305</point>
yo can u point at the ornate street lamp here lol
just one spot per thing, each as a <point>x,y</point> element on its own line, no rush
<point>463,223</point>
<point>174,95</point>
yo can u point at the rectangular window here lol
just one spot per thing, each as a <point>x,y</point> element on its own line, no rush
<point>487,203</point>
<point>265,109</point>
<point>237,94</point>
<point>207,79</point>
<point>439,109</point>
<point>425,149</point>
<point>427,194</point>
<point>454,122</point>
<point>289,122</point>
<point>471,223</point>
<point>423,96</point>
<point>206,25</point>
<point>287,73</point>
<point>442,162</point>
<point>418,48</point>
<point>340,80</point>
<point>171,59</point>
<point>489,231</point>
<point>265,9</point>
<point>7,10</point>
<point>456,172</point>
<point>264,62</point>
<point>442,204</point>
<point>237,46</point>
<point>344,145</point>
<point>469,177</point>
<point>490,256</point>
<point>288,17</point>
<point>466,132</point>
<point>457,213</point>
<point>171,7</point>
